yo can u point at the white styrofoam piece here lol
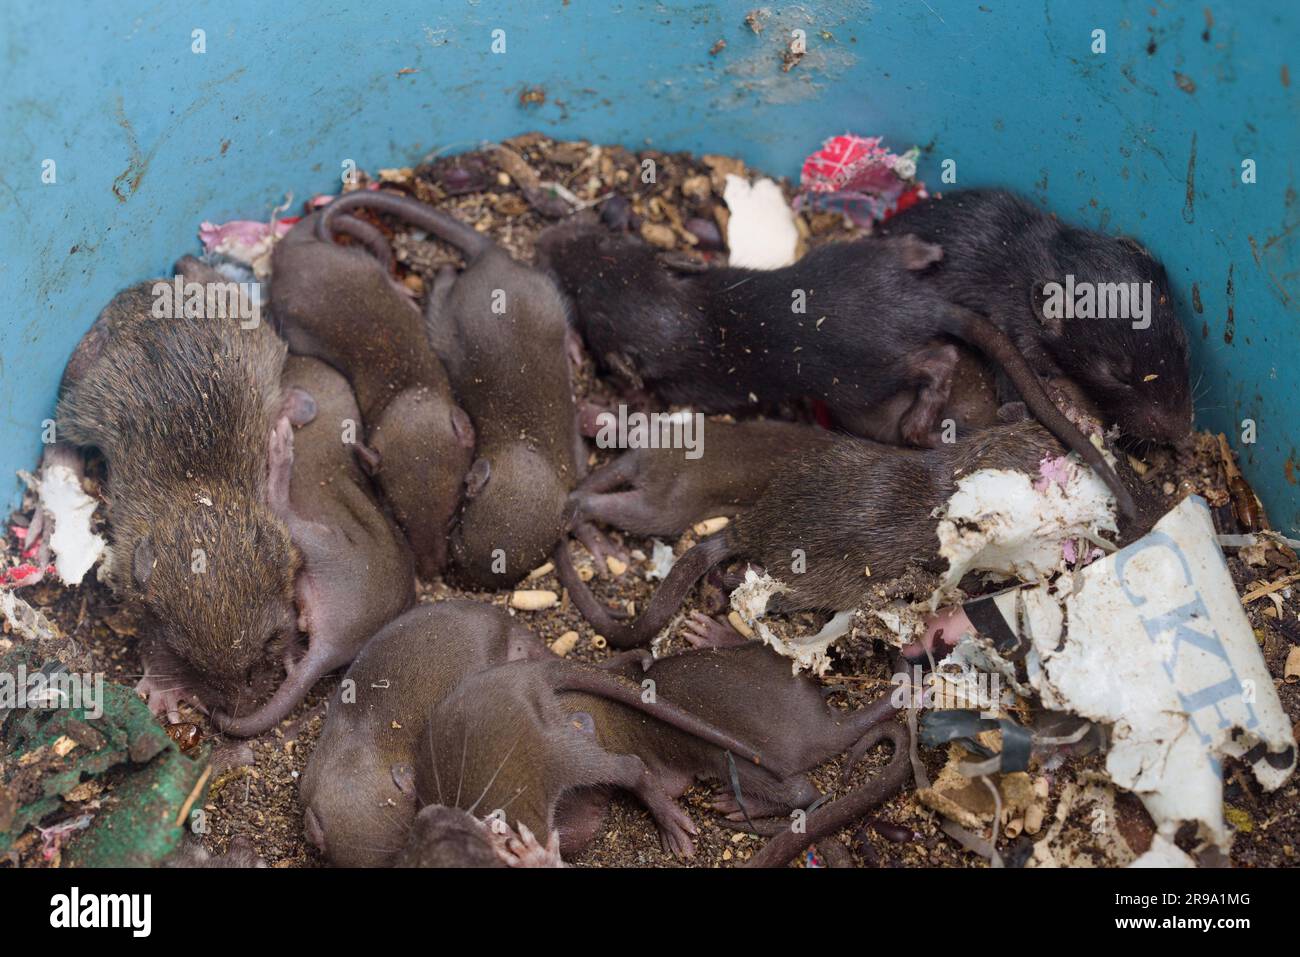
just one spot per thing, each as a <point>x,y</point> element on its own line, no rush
<point>761,233</point>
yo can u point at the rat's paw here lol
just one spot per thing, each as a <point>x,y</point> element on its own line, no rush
<point>279,467</point>
<point>602,548</point>
<point>676,829</point>
<point>701,631</point>
<point>526,851</point>
<point>725,803</point>
<point>162,700</point>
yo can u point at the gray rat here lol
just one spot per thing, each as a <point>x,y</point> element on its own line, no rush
<point>358,788</point>
<point>340,305</point>
<point>852,324</point>
<point>662,491</point>
<point>998,252</point>
<point>357,572</point>
<point>519,743</point>
<point>182,409</point>
<point>500,327</point>
<point>855,505</point>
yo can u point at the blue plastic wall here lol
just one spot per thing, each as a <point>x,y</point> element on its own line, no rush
<point>149,138</point>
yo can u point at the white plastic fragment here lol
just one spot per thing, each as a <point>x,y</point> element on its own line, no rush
<point>749,601</point>
<point>76,548</point>
<point>906,622</point>
<point>761,233</point>
<point>661,561</point>
<point>1155,644</point>
<point>1164,853</point>
<point>1004,521</point>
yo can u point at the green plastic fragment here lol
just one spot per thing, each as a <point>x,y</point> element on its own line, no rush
<point>136,823</point>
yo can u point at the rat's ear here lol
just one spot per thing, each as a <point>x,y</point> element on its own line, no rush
<point>583,723</point>
<point>462,427</point>
<point>1047,303</point>
<point>143,561</point>
<point>477,477</point>
<point>299,405</point>
<point>1012,412</point>
<point>916,253</point>
<point>404,778</point>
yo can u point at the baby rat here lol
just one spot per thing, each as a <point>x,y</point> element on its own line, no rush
<point>500,328</point>
<point>998,252</point>
<point>338,304</point>
<point>358,788</point>
<point>853,506</point>
<point>520,743</point>
<point>852,324</point>
<point>664,492</point>
<point>182,409</point>
<point>448,837</point>
<point>357,572</point>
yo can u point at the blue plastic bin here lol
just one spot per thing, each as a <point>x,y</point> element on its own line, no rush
<point>122,131</point>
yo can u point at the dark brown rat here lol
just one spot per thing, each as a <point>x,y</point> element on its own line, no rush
<point>998,252</point>
<point>357,573</point>
<point>851,324</point>
<point>854,506</point>
<point>358,788</point>
<point>663,491</point>
<point>519,743</point>
<point>500,327</point>
<point>182,409</point>
<point>339,304</point>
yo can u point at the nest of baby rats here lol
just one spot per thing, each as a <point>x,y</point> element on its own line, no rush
<point>511,191</point>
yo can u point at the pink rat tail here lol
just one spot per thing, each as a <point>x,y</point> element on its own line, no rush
<point>292,690</point>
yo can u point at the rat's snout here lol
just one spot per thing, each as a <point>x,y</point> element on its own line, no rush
<point>238,694</point>
<point>1160,423</point>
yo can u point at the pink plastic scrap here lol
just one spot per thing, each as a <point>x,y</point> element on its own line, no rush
<point>24,574</point>
<point>857,175</point>
<point>53,838</point>
<point>27,549</point>
<point>1052,469</point>
<point>243,240</point>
